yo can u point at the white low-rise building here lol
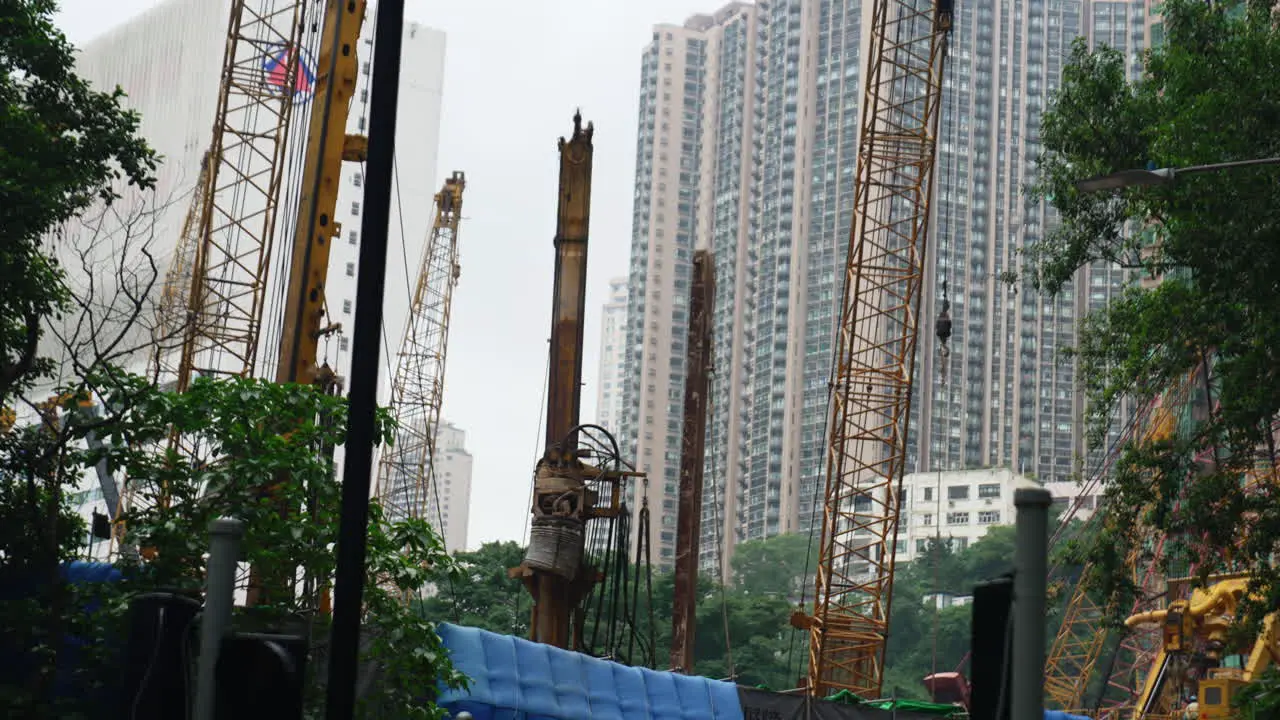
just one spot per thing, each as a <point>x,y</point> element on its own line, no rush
<point>956,506</point>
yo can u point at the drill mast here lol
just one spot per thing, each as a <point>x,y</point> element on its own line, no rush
<point>554,570</point>
<point>328,146</point>
<point>876,346</point>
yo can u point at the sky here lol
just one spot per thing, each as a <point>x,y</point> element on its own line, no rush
<point>515,71</point>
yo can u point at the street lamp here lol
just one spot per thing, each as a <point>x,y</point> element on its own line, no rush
<point>1161,176</point>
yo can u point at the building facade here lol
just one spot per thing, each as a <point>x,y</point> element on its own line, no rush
<point>613,342</point>
<point>449,506</point>
<point>748,134</point>
<point>955,507</point>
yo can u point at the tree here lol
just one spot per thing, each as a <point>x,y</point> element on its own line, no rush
<point>248,434</point>
<point>481,594</point>
<point>776,566</point>
<point>1213,241</point>
<point>244,435</point>
<point>63,146</point>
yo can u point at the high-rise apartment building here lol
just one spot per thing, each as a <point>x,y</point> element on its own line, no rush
<point>749,124</point>
<point>613,344</point>
<point>1010,396</point>
<point>449,506</point>
<point>696,80</point>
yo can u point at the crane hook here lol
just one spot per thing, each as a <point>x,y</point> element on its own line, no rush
<point>942,330</point>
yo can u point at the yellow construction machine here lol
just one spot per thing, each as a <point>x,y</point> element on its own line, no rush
<point>1198,655</point>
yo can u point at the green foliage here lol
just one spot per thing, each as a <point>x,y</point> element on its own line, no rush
<point>773,566</point>
<point>248,436</point>
<point>242,438</point>
<point>38,531</point>
<point>1206,96</point>
<point>481,594</point>
<point>1260,698</point>
<point>405,649</point>
<point>63,146</point>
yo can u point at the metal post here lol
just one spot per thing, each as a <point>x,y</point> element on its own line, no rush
<point>224,554</point>
<point>693,445</point>
<point>1031,560</point>
<point>353,531</point>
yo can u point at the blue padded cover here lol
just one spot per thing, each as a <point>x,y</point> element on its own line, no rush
<point>515,679</point>
<point>1059,715</point>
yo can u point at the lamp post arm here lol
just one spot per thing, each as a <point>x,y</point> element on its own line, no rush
<point>1226,165</point>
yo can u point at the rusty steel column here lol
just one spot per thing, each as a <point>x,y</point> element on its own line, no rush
<point>553,569</point>
<point>692,452</point>
<point>569,304</point>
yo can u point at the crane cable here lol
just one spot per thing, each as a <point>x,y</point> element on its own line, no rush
<point>716,520</point>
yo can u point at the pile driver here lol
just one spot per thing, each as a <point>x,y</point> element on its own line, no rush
<point>567,493</point>
<point>223,254</point>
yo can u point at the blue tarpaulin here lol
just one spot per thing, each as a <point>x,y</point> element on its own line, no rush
<point>515,679</point>
<point>1059,715</point>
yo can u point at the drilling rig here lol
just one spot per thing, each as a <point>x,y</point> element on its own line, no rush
<point>567,493</point>
<point>876,346</point>
<point>231,226</point>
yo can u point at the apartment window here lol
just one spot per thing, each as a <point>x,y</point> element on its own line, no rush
<point>355,208</point>
<point>928,494</point>
<point>343,344</point>
<point>357,179</point>
<point>351,269</point>
<point>988,517</point>
<point>958,492</point>
<point>989,490</point>
<point>927,519</point>
<point>361,123</point>
<point>959,544</point>
<point>353,237</point>
<point>364,95</point>
<point>346,307</point>
<point>922,545</point>
<point>958,518</point>
<point>366,68</point>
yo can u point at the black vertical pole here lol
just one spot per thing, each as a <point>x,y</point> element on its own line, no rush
<point>353,536</point>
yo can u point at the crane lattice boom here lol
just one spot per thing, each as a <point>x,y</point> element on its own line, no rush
<point>871,394</point>
<point>175,294</point>
<point>417,390</point>
<point>212,299</point>
<point>258,91</point>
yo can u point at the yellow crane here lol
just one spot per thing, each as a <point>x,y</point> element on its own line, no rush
<point>1199,654</point>
<point>232,223</point>
<point>237,224</point>
<point>406,469</point>
<point>1076,649</point>
<point>176,291</point>
<point>876,346</point>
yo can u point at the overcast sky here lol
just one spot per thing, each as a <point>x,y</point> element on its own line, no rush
<point>514,73</point>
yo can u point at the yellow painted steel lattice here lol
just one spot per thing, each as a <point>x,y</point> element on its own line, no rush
<point>876,346</point>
